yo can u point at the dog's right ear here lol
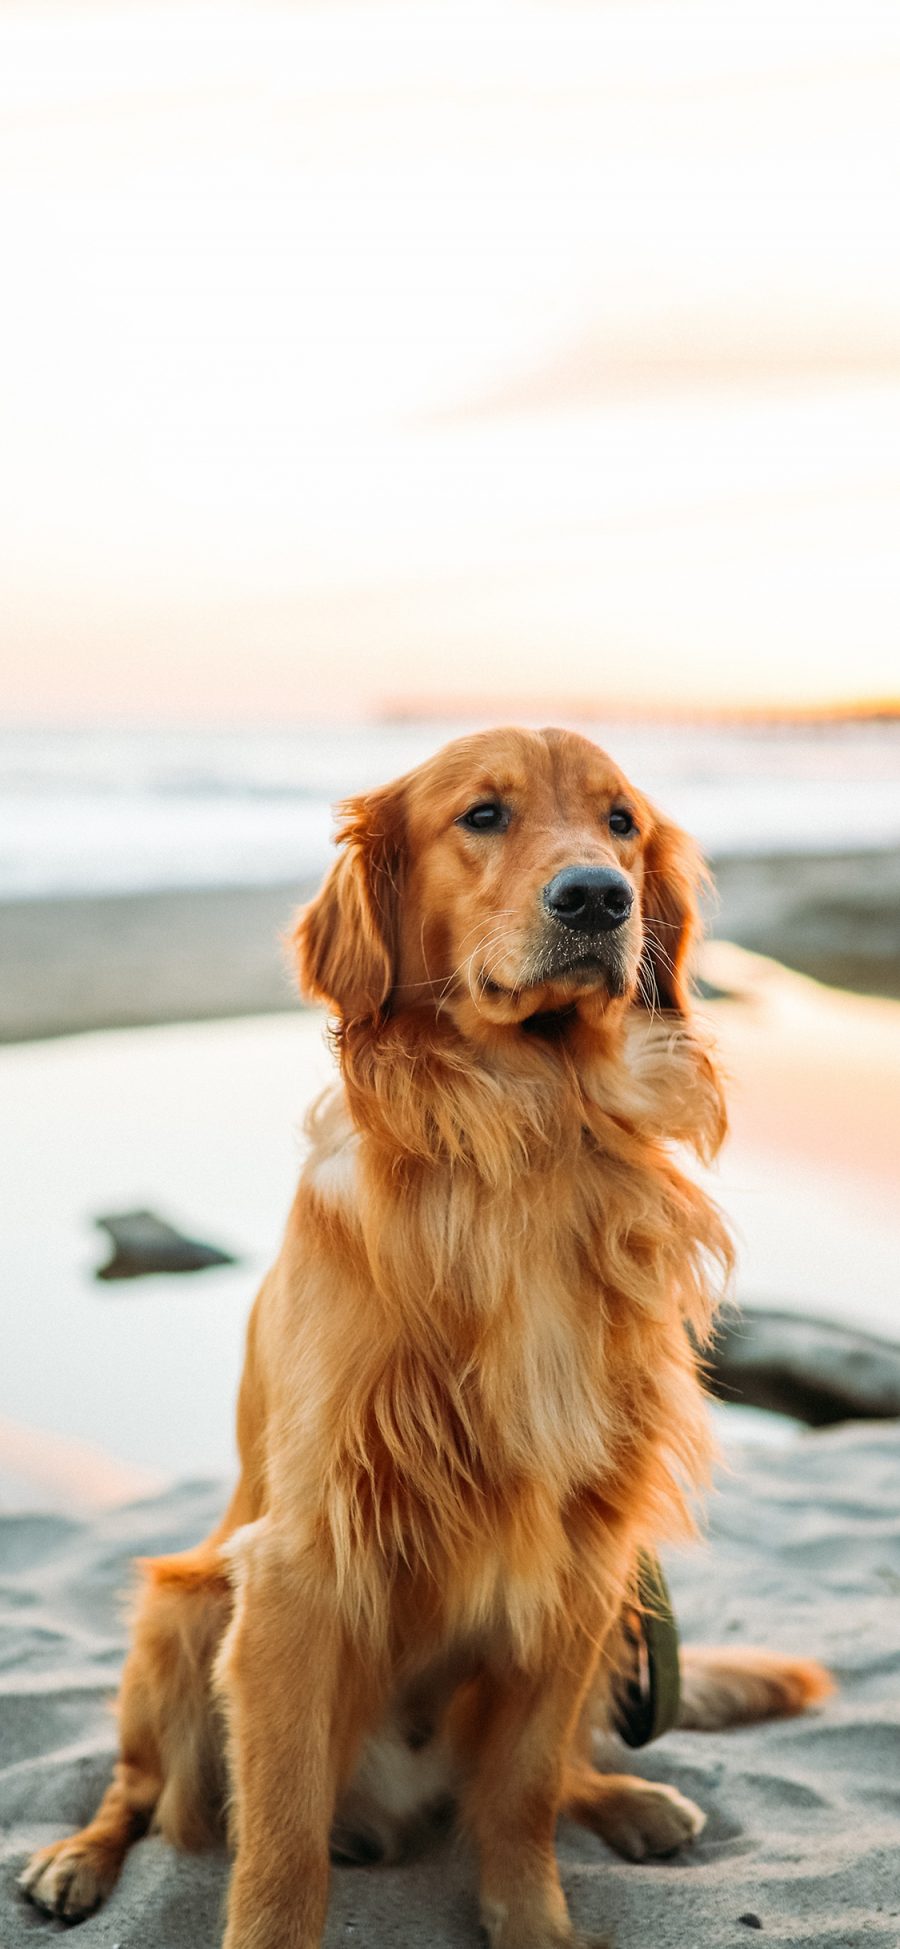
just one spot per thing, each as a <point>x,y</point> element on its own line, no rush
<point>346,940</point>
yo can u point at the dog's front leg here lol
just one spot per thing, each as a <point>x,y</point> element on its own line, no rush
<point>298,1698</point>
<point>521,1726</point>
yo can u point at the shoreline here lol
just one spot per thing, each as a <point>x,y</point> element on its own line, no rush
<point>75,963</point>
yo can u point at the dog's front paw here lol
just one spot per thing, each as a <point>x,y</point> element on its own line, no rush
<point>517,1928</point>
<point>69,1879</point>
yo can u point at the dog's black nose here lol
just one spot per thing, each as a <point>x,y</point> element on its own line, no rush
<point>590,899</point>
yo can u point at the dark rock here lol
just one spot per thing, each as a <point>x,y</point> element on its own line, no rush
<point>144,1243</point>
<point>812,1369</point>
<point>712,991</point>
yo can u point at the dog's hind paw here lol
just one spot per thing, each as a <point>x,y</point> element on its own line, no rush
<point>650,1820</point>
<point>638,1818</point>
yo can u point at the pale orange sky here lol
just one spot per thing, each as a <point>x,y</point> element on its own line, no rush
<point>361,352</point>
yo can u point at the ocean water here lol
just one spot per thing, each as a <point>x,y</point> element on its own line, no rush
<point>111,810</point>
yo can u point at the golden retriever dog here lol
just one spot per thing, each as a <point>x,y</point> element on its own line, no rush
<point>472,1395</point>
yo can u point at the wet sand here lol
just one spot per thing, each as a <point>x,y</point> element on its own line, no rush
<point>200,1123</point>
<point>128,960</point>
<point>182,956</point>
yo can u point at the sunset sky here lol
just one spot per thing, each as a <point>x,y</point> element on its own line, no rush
<point>362,355</point>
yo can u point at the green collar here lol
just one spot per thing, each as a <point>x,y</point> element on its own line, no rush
<point>648,1698</point>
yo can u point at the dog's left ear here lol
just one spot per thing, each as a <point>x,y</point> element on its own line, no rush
<point>346,940</point>
<point>674,878</point>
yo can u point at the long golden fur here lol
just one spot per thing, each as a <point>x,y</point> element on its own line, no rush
<point>471,1394</point>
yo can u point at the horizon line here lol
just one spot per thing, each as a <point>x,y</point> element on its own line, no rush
<point>426,709</point>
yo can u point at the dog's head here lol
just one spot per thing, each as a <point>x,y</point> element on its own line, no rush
<point>513,880</point>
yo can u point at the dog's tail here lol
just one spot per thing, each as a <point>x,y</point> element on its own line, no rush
<point>732,1687</point>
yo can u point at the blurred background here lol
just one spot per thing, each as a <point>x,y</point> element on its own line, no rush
<point>370,372</point>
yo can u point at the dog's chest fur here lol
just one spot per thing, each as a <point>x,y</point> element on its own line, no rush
<point>532,1349</point>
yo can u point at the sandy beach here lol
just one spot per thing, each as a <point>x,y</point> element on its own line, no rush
<point>114,1392</point>
<point>803,1828</point>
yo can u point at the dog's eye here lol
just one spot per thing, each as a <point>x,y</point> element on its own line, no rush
<point>487,816</point>
<point>621,822</point>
